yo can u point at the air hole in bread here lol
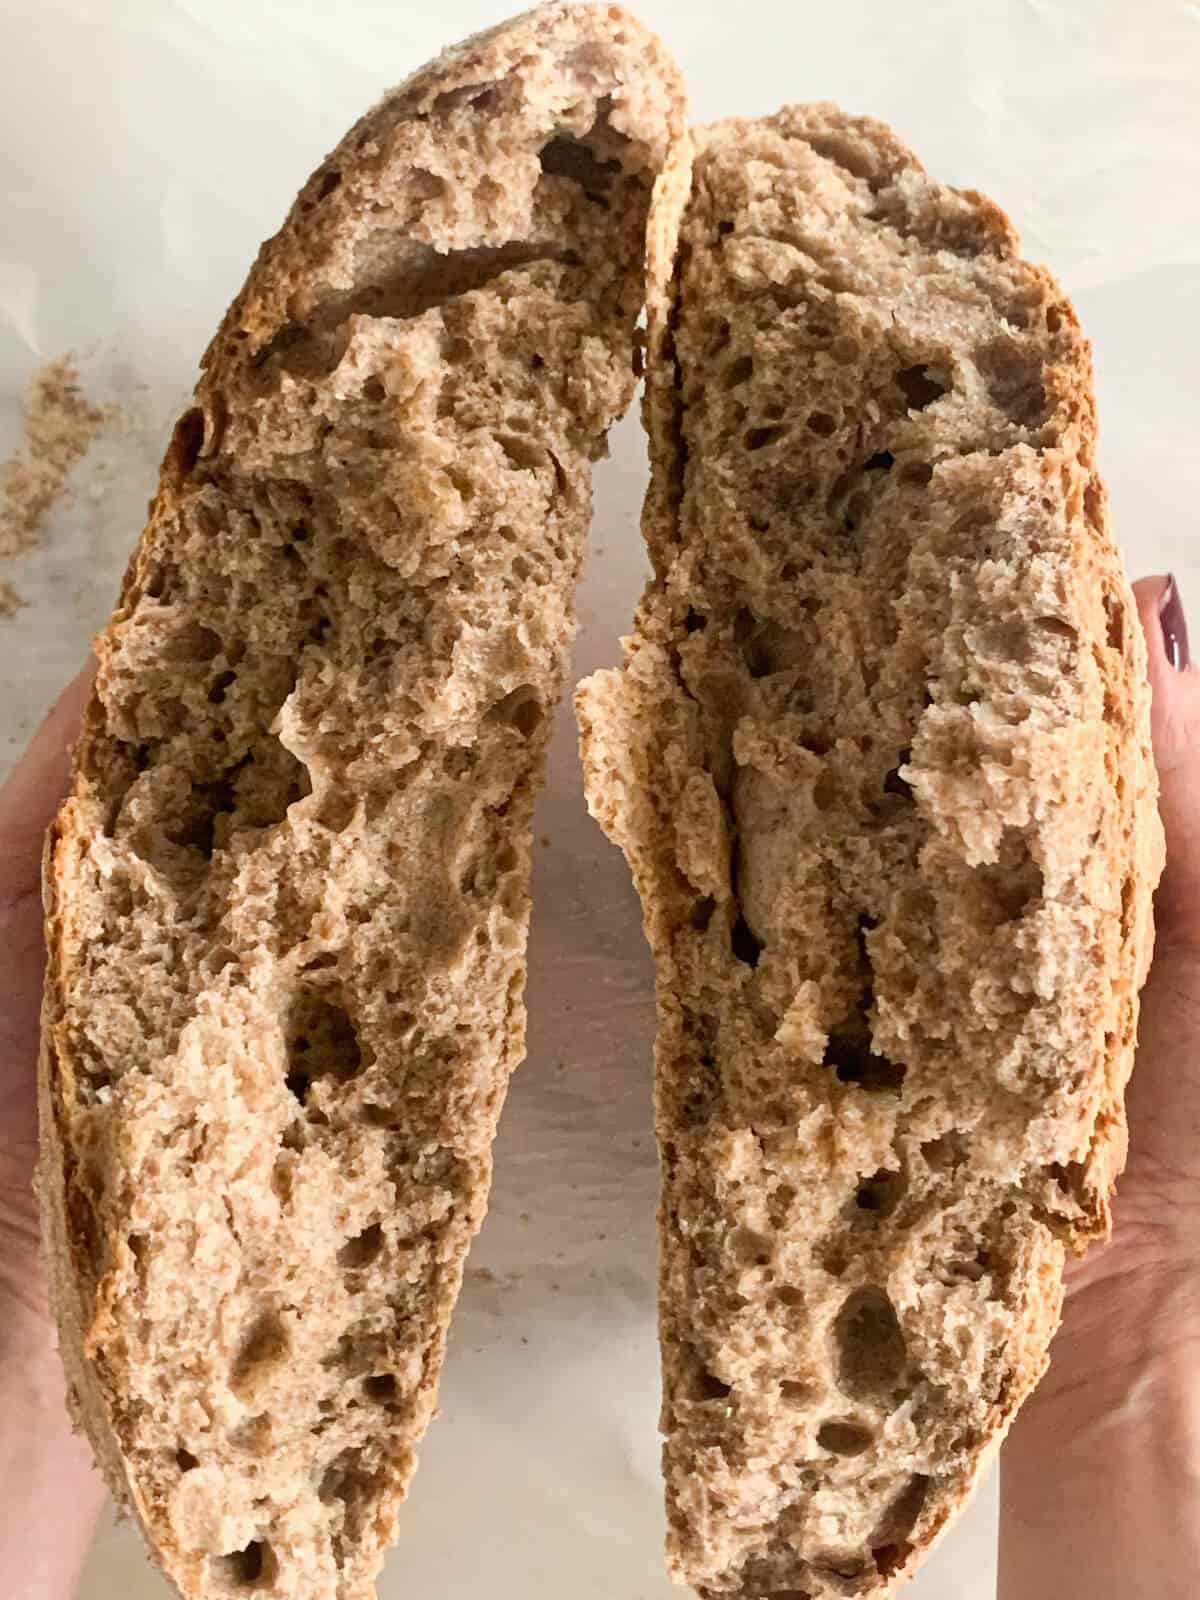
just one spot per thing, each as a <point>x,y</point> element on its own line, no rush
<point>858,157</point>
<point>220,684</point>
<point>919,387</point>
<point>481,98</point>
<point>363,1248</point>
<point>381,1389</point>
<point>185,1460</point>
<point>1012,886</point>
<point>377,1116</point>
<point>844,1438</point>
<point>881,1193</point>
<point>788,1295</point>
<point>795,1392</point>
<point>192,642</point>
<point>759,438</point>
<point>753,637</point>
<point>917,473</point>
<point>283,1171</point>
<point>1114,613</point>
<point>201,823</point>
<point>257,793</point>
<point>781,1202</point>
<point>708,1386</point>
<point>349,1480</point>
<point>330,180</point>
<point>322,1042</point>
<point>894,783</point>
<point>85,1227</point>
<point>360,1351</point>
<point>856,508</point>
<point>526,455</point>
<point>838,1564</point>
<point>374,390</point>
<point>745,946</point>
<point>187,441</point>
<point>945,1153</point>
<point>969,1267</point>
<point>739,372</point>
<point>255,1567</point>
<point>832,1256</point>
<point>855,1062</point>
<point>570,158</point>
<point>341,1475</point>
<point>264,1347</point>
<point>702,913</point>
<point>889,1539</point>
<point>162,582</point>
<point>521,710</point>
<point>881,461</point>
<point>889,1558</point>
<point>871,1353</point>
<point>1012,374</point>
<point>1057,627</point>
<point>822,424</point>
<point>750,1248</point>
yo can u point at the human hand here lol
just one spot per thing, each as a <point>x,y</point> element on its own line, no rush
<point>1102,1468</point>
<point>28,801</point>
<point>50,1493</point>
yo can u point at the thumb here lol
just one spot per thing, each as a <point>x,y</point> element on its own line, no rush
<point>1175,727</point>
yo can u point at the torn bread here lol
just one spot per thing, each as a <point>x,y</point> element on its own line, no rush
<point>879,758</point>
<point>287,897</point>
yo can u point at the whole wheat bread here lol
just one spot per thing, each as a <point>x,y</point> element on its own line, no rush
<point>287,897</point>
<point>879,758</point>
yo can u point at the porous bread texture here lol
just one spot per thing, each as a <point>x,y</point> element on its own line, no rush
<point>287,897</point>
<point>879,758</point>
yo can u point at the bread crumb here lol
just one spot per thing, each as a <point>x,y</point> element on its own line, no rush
<point>10,601</point>
<point>60,423</point>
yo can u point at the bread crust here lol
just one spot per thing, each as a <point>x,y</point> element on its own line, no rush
<point>316,858</point>
<point>831,222</point>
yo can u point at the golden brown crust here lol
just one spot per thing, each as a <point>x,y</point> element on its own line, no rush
<point>286,900</point>
<point>921,1002</point>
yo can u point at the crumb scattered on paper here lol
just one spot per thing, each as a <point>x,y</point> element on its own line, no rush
<point>10,600</point>
<point>60,424</point>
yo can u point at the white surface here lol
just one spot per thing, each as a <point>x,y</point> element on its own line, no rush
<point>145,147</point>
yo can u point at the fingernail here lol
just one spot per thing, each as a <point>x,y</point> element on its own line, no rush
<point>1174,626</point>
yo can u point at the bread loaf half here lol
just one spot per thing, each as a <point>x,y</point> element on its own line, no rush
<point>287,897</point>
<point>879,758</point>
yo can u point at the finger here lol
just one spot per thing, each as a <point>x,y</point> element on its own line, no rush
<point>1175,727</point>
<point>34,790</point>
<point>28,800</point>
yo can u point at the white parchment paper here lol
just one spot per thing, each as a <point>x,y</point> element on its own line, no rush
<point>145,148</point>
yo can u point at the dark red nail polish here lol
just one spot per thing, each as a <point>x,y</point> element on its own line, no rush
<point>1174,626</point>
